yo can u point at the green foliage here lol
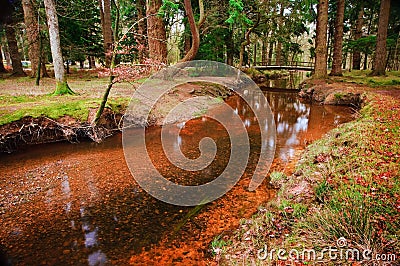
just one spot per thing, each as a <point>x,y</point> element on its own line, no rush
<point>168,7</point>
<point>236,14</point>
<point>81,33</point>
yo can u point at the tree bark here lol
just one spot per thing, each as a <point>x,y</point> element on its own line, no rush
<point>156,32</point>
<point>229,48</point>
<point>320,71</point>
<point>247,41</point>
<point>270,53</point>
<point>32,32</point>
<point>58,63</point>
<point>379,65</point>
<point>338,40</point>
<point>142,29</point>
<point>194,29</point>
<point>14,53</point>
<point>358,35</point>
<point>2,68</point>
<point>279,45</point>
<point>106,28</point>
<point>191,54</point>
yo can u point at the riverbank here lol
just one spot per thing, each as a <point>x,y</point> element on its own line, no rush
<point>343,194</point>
<point>31,115</point>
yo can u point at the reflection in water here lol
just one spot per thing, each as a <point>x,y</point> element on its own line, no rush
<point>291,81</point>
<point>81,201</point>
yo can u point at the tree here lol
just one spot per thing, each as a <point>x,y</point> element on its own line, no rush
<point>2,68</point>
<point>58,62</point>
<point>34,38</point>
<point>357,36</point>
<point>338,40</point>
<point>379,65</point>
<point>156,33</point>
<point>14,53</point>
<point>105,16</point>
<point>194,29</point>
<point>320,42</point>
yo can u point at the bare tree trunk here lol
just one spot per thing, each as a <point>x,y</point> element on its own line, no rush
<point>270,52</point>
<point>279,45</point>
<point>358,35</point>
<point>141,9</point>
<point>156,32</point>
<point>255,54</point>
<point>58,63</point>
<point>194,29</point>
<point>338,40</point>
<point>229,48</point>
<point>106,28</point>
<point>264,51</point>
<point>380,54</point>
<point>320,43</point>
<point>33,35</point>
<point>191,54</point>
<point>14,53</point>
<point>2,68</point>
<point>247,41</point>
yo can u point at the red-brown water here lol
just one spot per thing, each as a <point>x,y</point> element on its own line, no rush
<point>67,204</point>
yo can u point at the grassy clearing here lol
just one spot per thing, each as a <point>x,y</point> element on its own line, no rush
<point>392,78</point>
<point>346,189</point>
<point>19,97</point>
<point>14,108</point>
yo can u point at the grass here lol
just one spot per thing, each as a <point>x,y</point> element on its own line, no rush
<point>392,78</point>
<point>14,108</point>
<point>353,174</point>
<point>19,97</point>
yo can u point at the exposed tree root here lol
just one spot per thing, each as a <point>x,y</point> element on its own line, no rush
<point>45,130</point>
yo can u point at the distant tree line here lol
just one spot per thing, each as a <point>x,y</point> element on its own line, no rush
<point>335,34</point>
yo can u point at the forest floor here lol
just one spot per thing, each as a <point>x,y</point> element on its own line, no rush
<point>341,205</point>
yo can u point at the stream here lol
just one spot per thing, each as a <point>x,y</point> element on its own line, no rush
<point>77,204</point>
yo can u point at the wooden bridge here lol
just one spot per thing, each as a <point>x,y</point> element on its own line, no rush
<point>294,65</point>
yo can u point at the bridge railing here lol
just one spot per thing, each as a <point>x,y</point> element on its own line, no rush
<point>285,63</point>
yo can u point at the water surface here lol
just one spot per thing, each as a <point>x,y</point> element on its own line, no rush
<point>77,204</point>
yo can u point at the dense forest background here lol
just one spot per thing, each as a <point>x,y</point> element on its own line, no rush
<point>341,34</point>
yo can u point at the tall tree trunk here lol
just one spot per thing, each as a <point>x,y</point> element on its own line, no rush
<point>2,68</point>
<point>255,54</point>
<point>338,40</point>
<point>58,63</point>
<point>141,9</point>
<point>14,53</point>
<point>358,35</point>
<point>320,43</point>
<point>279,45</point>
<point>246,42</point>
<point>229,48</point>
<point>264,51</point>
<point>106,28</point>
<point>194,29</point>
<point>270,52</point>
<point>156,32</point>
<point>32,32</point>
<point>380,52</point>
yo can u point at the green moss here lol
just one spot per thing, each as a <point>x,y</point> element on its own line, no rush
<point>53,107</point>
<point>62,88</point>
